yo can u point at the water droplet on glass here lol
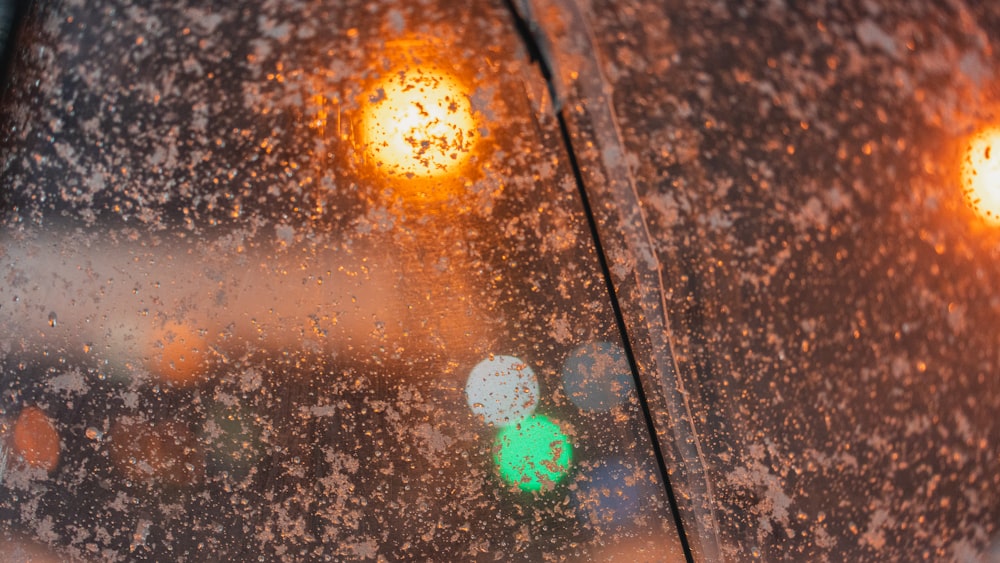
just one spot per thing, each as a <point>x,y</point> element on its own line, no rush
<point>53,321</point>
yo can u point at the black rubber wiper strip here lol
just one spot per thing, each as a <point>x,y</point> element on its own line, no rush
<point>538,56</point>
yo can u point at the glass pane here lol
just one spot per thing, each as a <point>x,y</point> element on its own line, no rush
<point>809,180</point>
<point>301,281</point>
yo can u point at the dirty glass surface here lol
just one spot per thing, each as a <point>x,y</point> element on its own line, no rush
<point>304,281</point>
<point>808,175</point>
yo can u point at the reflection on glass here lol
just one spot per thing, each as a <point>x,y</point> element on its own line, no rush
<point>418,123</point>
<point>503,390</point>
<point>596,376</point>
<point>35,439</point>
<point>981,174</point>
<point>533,455</point>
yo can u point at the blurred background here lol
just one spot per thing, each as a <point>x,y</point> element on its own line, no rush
<point>10,11</point>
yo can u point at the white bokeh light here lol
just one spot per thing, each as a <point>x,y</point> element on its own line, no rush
<point>502,389</point>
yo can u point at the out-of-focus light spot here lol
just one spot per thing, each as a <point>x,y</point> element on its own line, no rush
<point>502,389</point>
<point>596,376</point>
<point>981,174</point>
<point>533,454</point>
<point>165,452</point>
<point>35,439</point>
<point>615,493</point>
<point>418,123</point>
<point>177,354</point>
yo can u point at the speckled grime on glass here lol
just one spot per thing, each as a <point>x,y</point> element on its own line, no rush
<point>252,255</point>
<point>803,237</point>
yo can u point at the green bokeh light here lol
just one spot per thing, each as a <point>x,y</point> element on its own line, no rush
<point>533,454</point>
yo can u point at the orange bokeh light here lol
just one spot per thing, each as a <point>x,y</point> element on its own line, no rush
<point>177,354</point>
<point>981,174</point>
<point>36,439</point>
<point>418,123</point>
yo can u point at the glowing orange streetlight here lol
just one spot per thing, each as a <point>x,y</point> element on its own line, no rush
<point>981,174</point>
<point>418,123</point>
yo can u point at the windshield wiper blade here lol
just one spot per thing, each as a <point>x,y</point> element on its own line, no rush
<point>540,52</point>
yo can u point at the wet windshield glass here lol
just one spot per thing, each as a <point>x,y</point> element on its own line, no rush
<point>295,281</point>
<point>814,181</point>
